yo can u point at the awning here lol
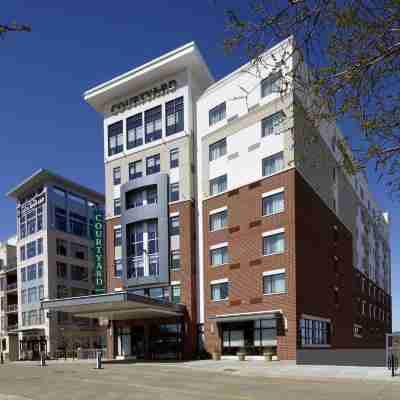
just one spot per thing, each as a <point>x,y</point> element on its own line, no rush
<point>251,316</point>
<point>115,306</point>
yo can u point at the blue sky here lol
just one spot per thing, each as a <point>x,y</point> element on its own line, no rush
<point>44,121</point>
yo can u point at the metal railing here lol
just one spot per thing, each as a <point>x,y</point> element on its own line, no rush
<point>12,327</point>
<point>12,307</point>
<point>12,286</point>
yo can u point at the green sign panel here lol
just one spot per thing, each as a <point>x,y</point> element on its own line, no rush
<point>99,250</point>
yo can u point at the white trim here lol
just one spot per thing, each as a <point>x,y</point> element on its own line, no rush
<point>308,316</point>
<point>217,281</point>
<point>273,232</point>
<point>174,214</point>
<point>218,210</point>
<point>275,272</point>
<point>117,227</point>
<point>175,283</point>
<point>249,313</point>
<point>272,192</point>
<point>219,246</point>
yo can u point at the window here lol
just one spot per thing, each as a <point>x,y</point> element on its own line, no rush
<point>271,124</point>
<point>135,170</point>
<point>176,294</point>
<point>22,226</point>
<point>273,164</point>
<point>175,260</point>
<point>174,191</point>
<point>174,158</point>
<point>153,164</point>
<point>153,124</point>
<point>79,251</point>
<point>357,331</point>
<point>174,116</point>
<point>217,149</point>
<point>32,295</point>
<point>219,256</point>
<point>218,185</point>
<point>31,249</point>
<point>22,253</point>
<point>79,273</point>
<point>134,131</point>
<point>271,84</point>
<point>141,197</point>
<point>273,204</point>
<point>218,220</point>
<point>62,291</point>
<point>118,268</point>
<point>117,175</point>
<point>314,332</point>
<point>77,224</point>
<point>274,244</point>
<point>31,272</point>
<point>23,274</point>
<point>62,247</point>
<point>274,283</point>
<point>217,114</point>
<point>115,138</point>
<point>31,222</point>
<point>117,237</point>
<point>39,211</point>
<point>40,269</point>
<point>62,271</point>
<point>40,246</point>
<point>117,206</point>
<point>174,226</point>
<point>61,219</point>
<point>219,291</point>
<point>23,296</point>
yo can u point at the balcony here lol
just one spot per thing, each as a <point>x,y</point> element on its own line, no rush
<point>12,286</point>
<point>12,308</point>
<point>12,327</point>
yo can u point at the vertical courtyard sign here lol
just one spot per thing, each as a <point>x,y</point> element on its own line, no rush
<point>99,250</point>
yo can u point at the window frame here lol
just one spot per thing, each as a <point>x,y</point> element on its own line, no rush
<point>134,124</point>
<point>217,114</point>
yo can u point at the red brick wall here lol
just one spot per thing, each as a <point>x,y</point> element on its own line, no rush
<point>244,235</point>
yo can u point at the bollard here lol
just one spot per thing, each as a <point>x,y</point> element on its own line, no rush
<point>1,358</point>
<point>42,359</point>
<point>98,360</point>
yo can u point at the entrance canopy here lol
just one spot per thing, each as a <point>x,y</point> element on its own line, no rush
<point>115,306</point>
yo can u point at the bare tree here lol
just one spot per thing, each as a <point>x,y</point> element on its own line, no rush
<point>352,50</point>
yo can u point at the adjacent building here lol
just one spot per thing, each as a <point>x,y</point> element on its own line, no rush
<point>8,299</point>
<point>55,250</point>
<point>228,228</point>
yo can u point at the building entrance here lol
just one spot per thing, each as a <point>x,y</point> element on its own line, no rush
<point>130,342</point>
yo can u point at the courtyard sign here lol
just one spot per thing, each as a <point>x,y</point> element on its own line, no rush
<point>99,250</point>
<point>147,95</point>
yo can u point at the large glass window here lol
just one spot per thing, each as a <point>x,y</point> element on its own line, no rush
<point>219,256</point>
<point>174,191</point>
<point>31,273</point>
<point>217,149</point>
<point>31,222</point>
<point>274,244</point>
<point>220,291</point>
<point>61,219</point>
<point>79,273</point>
<point>314,332</point>
<point>134,129</point>
<point>135,170</point>
<point>117,175</point>
<point>174,158</point>
<point>117,206</point>
<point>31,249</point>
<point>174,116</point>
<point>271,84</point>
<point>275,283</point>
<point>218,185</point>
<point>272,164</point>
<point>62,270</point>
<point>153,124</point>
<point>117,237</point>
<point>141,197</point>
<point>270,125</point>
<point>62,247</point>
<point>218,220</point>
<point>175,260</point>
<point>176,294</point>
<point>273,204</point>
<point>217,114</point>
<point>77,224</point>
<point>115,138</point>
<point>40,246</point>
<point>153,164</point>
<point>174,226</point>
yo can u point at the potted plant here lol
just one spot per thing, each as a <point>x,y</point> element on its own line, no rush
<point>268,353</point>
<point>216,354</point>
<point>241,354</point>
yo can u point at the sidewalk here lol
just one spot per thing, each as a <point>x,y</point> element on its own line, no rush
<point>292,371</point>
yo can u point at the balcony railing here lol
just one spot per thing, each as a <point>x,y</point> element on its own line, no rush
<point>12,286</point>
<point>12,307</point>
<point>12,327</point>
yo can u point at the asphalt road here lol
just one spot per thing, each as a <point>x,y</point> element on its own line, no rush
<point>168,382</point>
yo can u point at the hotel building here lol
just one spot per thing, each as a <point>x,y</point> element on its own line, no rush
<point>55,259</point>
<point>227,227</point>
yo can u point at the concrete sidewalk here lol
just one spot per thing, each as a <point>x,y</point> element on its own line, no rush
<point>289,370</point>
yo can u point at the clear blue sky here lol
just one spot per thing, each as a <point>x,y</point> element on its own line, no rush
<point>44,121</point>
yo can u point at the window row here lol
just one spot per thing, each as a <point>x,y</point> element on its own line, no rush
<point>33,317</point>
<point>314,332</point>
<point>31,222</point>
<point>32,272</point>
<point>64,291</point>
<point>272,244</point>
<point>32,295</point>
<point>31,249</point>
<point>274,282</point>
<point>147,129</point>
<point>74,250</point>
<point>269,166</point>
<point>136,168</point>
<point>72,272</point>
<point>172,293</point>
<point>269,85</point>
